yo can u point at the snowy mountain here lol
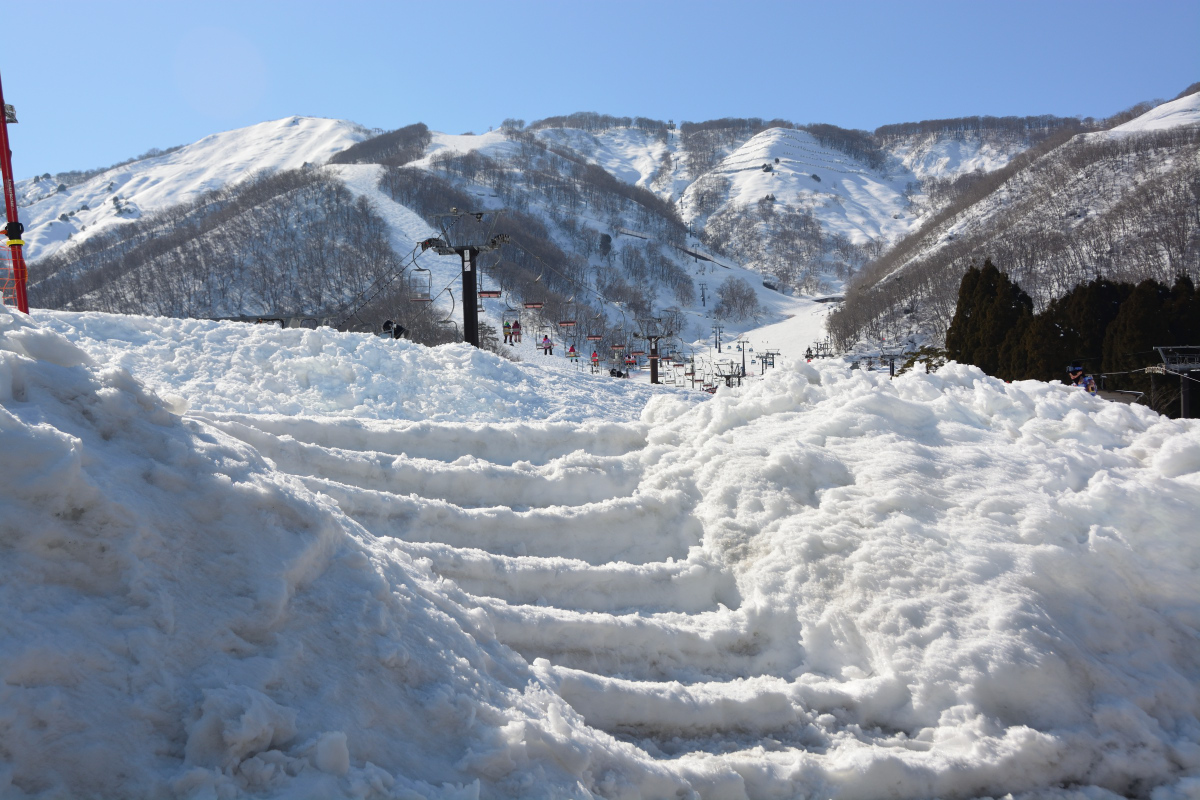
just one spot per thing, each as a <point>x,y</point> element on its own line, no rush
<point>616,218</point>
<point>793,168</point>
<point>1118,203</point>
<point>127,192</point>
<point>1181,112</point>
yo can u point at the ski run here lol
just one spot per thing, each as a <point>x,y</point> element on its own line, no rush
<point>238,561</point>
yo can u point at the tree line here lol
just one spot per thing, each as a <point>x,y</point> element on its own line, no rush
<point>1105,326</point>
<point>1070,209</point>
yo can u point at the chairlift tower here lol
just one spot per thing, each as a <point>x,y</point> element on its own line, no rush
<point>14,228</point>
<point>469,253</point>
<point>1183,361</point>
<point>653,329</point>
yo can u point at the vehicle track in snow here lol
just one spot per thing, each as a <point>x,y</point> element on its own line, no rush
<point>592,573</point>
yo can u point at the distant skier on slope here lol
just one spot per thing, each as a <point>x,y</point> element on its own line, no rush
<point>1075,371</point>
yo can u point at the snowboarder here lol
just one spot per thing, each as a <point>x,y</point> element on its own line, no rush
<point>507,332</point>
<point>1075,371</point>
<point>547,346</point>
<point>516,331</point>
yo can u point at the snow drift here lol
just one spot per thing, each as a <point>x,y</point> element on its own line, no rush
<point>826,584</point>
<point>183,620</point>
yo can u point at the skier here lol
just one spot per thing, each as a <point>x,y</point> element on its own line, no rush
<point>1075,371</point>
<point>547,346</point>
<point>516,331</point>
<point>507,332</point>
<point>571,354</point>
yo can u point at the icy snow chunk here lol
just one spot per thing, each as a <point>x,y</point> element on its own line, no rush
<point>1178,457</point>
<point>235,722</point>
<point>332,753</point>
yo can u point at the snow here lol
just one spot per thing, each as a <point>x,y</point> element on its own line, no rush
<point>1173,114</point>
<point>207,366</point>
<point>249,562</point>
<point>940,156</point>
<point>849,198</point>
<point>177,177</point>
<point>629,154</point>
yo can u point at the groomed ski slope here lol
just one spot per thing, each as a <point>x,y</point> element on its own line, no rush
<point>828,584</point>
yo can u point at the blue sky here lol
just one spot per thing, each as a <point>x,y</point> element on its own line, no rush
<point>98,82</point>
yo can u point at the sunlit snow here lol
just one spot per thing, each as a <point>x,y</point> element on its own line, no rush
<point>248,562</point>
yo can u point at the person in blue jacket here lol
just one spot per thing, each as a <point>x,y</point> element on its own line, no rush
<point>1075,371</point>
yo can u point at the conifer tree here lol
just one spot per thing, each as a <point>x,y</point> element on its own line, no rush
<point>991,309</point>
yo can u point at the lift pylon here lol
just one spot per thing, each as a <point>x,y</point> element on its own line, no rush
<point>14,228</point>
<point>469,253</point>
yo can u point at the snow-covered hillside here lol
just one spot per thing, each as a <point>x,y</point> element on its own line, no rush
<point>942,156</point>
<point>826,584</point>
<point>846,196</point>
<point>1177,113</point>
<point>176,177</point>
<point>1118,204</point>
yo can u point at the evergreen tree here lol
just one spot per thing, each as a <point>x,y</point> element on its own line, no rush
<point>1183,312</point>
<point>960,335</point>
<point>1044,349</point>
<point>991,310</point>
<point>1138,328</point>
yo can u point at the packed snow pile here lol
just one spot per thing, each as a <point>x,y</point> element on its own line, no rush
<point>825,584</point>
<point>213,366</point>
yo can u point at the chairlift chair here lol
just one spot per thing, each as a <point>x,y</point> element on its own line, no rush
<point>420,285</point>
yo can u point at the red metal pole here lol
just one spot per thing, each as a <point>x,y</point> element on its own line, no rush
<point>14,228</point>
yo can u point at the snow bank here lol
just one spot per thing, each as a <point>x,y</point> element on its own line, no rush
<point>181,620</point>
<point>826,584</point>
<point>974,587</point>
<point>235,367</point>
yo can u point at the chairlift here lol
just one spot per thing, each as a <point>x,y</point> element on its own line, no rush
<point>420,285</point>
<point>534,303</point>
<point>489,294</point>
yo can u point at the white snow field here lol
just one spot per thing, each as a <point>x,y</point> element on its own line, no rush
<point>331,566</point>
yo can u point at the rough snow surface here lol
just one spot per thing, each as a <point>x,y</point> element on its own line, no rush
<point>1175,114</point>
<point>827,584</point>
<point>212,366</point>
